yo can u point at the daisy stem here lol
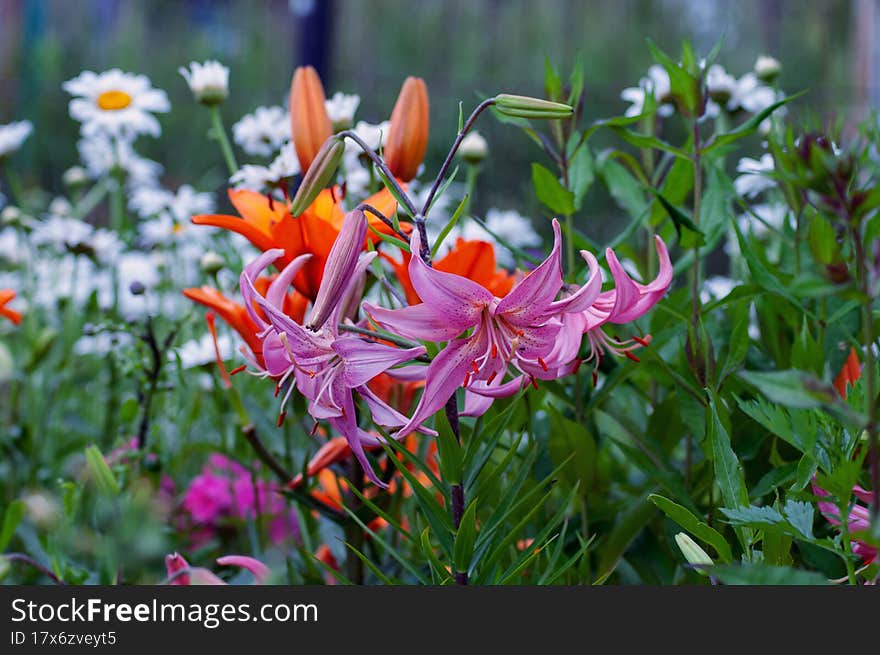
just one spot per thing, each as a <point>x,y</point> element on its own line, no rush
<point>220,134</point>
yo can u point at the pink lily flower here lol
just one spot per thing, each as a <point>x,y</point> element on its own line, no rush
<point>175,564</point>
<point>519,330</point>
<point>627,301</point>
<point>324,363</point>
<point>859,519</point>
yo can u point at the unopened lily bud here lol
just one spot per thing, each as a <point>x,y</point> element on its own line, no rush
<point>318,176</point>
<point>309,121</point>
<point>408,134</point>
<point>341,262</point>
<point>473,148</point>
<point>692,552</point>
<point>211,263</point>
<point>527,107</point>
<point>10,215</point>
<point>75,177</point>
<point>767,68</point>
<point>209,82</point>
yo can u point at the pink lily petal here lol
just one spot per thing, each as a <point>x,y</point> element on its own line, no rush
<point>587,294</point>
<point>250,273</point>
<point>278,288</point>
<point>260,571</point>
<point>339,269</point>
<point>531,297</point>
<point>445,374</point>
<point>385,415</point>
<point>174,563</point>
<point>649,294</point>
<point>420,321</point>
<point>458,299</point>
<point>364,360</point>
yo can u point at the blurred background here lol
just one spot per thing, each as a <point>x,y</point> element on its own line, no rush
<point>461,47</point>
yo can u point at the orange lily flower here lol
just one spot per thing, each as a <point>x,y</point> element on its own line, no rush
<point>408,134</point>
<point>6,295</point>
<point>236,316</point>
<point>849,374</point>
<point>472,259</point>
<point>268,224</point>
<point>309,121</point>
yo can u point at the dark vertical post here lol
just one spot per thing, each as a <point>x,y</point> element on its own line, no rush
<point>316,35</point>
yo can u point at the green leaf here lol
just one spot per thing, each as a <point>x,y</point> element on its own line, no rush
<point>550,191</point>
<point>465,538</point>
<point>569,439</point>
<point>450,453</point>
<point>449,225</point>
<point>762,276</point>
<point>762,574</point>
<point>129,410</point>
<point>682,220</point>
<point>749,127</point>
<point>627,192</point>
<point>581,175</point>
<point>761,518</point>
<point>728,469</point>
<point>694,525</point>
<point>800,516</point>
<point>552,81</point>
<point>684,86</point>
<point>790,388</point>
<point>100,473</point>
<point>823,239</point>
<point>11,518</point>
<point>625,529</point>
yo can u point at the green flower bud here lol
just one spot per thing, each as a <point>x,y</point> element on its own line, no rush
<point>691,551</point>
<point>211,263</point>
<point>321,171</point>
<point>527,107</point>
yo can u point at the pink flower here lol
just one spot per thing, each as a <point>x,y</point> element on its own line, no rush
<point>181,573</point>
<point>325,364</point>
<point>226,491</point>
<point>626,302</point>
<point>859,519</point>
<point>520,330</point>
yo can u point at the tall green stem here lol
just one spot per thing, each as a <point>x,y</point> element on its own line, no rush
<point>223,140</point>
<point>870,373</point>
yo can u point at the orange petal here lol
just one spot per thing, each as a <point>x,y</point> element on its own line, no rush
<point>849,374</point>
<point>408,134</point>
<point>330,453</point>
<point>257,208</point>
<point>7,295</point>
<point>309,122</point>
<point>250,231</point>
<point>234,314</point>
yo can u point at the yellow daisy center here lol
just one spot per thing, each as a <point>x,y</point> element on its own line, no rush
<point>178,228</point>
<point>114,100</point>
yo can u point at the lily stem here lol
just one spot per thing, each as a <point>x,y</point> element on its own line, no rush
<point>449,157</point>
<point>382,166</point>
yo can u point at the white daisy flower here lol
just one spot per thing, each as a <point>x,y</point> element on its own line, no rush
<point>102,343</point>
<point>341,109</point>
<point>716,287</point>
<point>767,68</point>
<point>755,176</point>
<point>200,352</point>
<point>106,246</point>
<point>61,233</point>
<point>372,135</point>
<point>101,154</point>
<point>187,202</point>
<point>657,83</point>
<point>263,132</point>
<point>209,82</point>
<point>473,147</point>
<point>750,95</point>
<point>261,178</point>
<point>116,103</point>
<point>148,202</point>
<point>719,83</point>
<point>12,135</point>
